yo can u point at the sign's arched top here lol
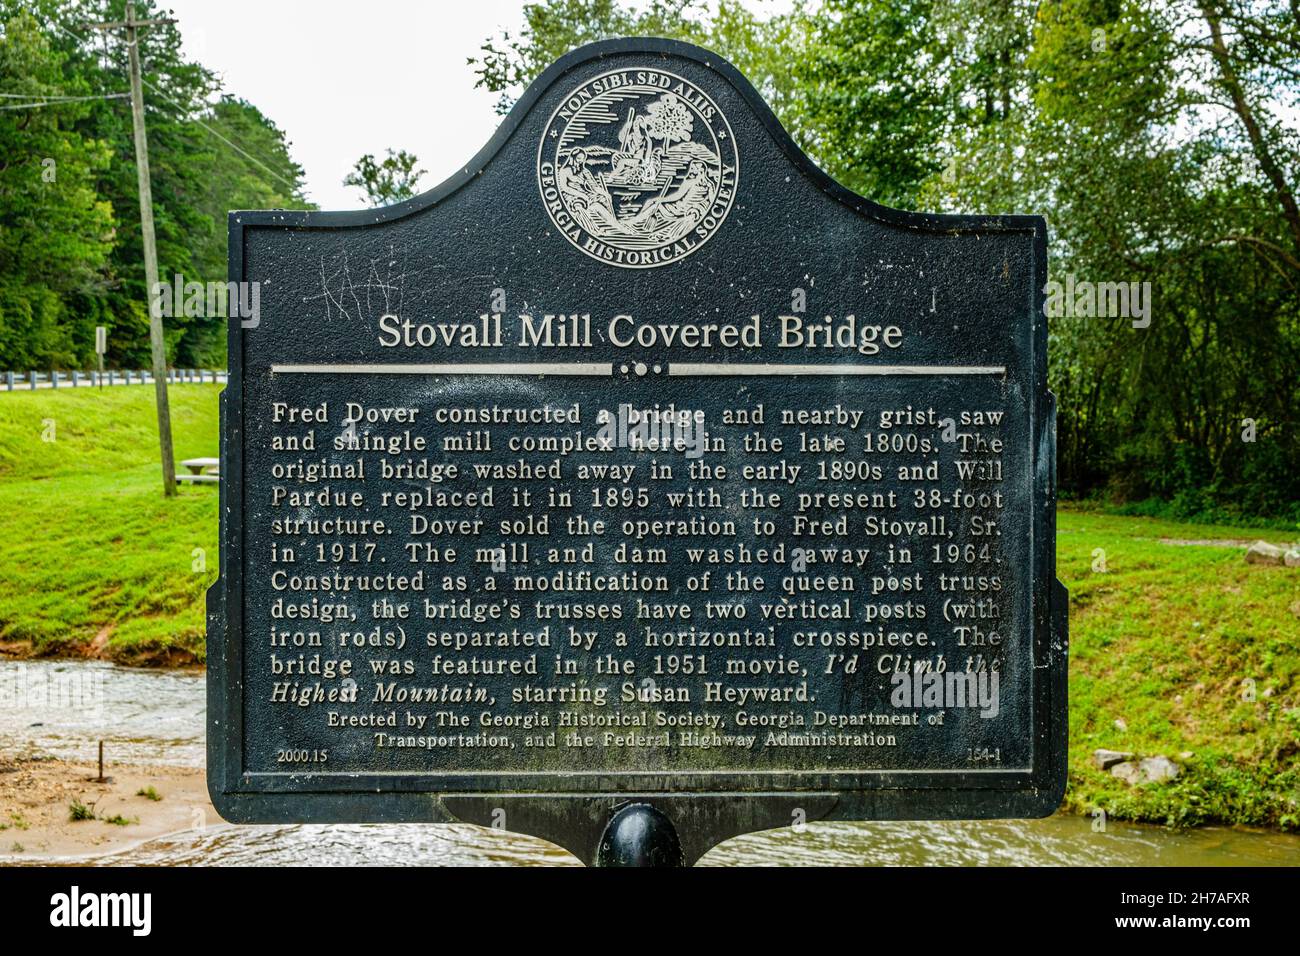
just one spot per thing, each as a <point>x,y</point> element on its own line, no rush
<point>659,54</point>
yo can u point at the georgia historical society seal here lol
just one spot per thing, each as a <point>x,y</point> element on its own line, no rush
<point>637,168</point>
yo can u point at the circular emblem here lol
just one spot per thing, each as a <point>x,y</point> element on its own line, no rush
<point>637,168</point>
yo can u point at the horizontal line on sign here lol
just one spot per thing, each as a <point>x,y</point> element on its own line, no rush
<point>733,368</point>
<point>493,368</point>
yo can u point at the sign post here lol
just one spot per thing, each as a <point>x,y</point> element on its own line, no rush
<point>636,488</point>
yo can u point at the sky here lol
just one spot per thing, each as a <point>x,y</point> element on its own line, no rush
<point>345,79</point>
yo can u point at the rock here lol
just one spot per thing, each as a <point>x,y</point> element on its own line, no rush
<point>1292,558</point>
<point>1160,769</point>
<point>1105,759</point>
<point>1148,770</point>
<point>1127,771</point>
<point>1261,552</point>
<point>1186,755</point>
<point>1120,725</point>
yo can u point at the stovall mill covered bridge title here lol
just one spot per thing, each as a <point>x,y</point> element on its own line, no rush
<point>624,331</point>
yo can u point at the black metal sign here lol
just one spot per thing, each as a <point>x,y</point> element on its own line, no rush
<point>638,464</point>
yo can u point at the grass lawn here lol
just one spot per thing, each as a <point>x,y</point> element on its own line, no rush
<point>1165,640</point>
<point>92,558</point>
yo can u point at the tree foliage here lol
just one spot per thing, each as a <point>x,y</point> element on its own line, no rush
<point>71,254</point>
<point>393,179</point>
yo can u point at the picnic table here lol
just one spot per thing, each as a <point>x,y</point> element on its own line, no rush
<point>203,471</point>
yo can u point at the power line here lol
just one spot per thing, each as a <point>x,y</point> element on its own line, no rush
<point>37,104</point>
<point>59,96</point>
<point>194,119</point>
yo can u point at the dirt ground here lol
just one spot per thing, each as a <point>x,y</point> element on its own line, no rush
<point>37,796</point>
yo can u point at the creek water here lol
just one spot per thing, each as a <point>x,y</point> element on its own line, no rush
<point>63,708</point>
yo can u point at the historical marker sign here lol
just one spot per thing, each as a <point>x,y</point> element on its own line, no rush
<point>638,461</point>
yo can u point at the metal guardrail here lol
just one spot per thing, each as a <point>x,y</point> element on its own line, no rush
<point>30,381</point>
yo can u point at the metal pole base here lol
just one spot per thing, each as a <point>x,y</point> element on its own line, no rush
<point>639,835</point>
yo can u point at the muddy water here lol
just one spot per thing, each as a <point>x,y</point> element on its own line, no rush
<point>64,708</point>
<point>1059,840</point>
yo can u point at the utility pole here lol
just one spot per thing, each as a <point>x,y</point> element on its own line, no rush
<point>156,344</point>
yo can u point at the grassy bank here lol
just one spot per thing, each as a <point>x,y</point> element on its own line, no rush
<point>92,560</point>
<point>1164,641</point>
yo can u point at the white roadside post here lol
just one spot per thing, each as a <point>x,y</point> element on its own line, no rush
<point>101,346</point>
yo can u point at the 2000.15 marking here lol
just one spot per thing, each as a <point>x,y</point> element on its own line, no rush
<point>301,756</point>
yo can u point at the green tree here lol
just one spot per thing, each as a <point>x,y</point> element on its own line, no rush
<point>1168,156</point>
<point>765,49</point>
<point>876,102</point>
<point>55,232</point>
<point>208,154</point>
<point>509,62</point>
<point>391,180</point>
